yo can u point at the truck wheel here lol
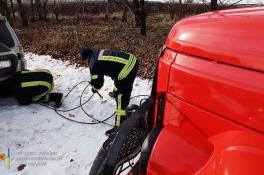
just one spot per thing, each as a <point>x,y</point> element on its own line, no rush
<point>124,144</point>
<point>100,159</point>
<point>98,162</point>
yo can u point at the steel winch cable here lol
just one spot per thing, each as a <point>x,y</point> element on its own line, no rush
<point>96,121</point>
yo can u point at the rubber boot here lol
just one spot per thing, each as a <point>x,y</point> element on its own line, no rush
<point>130,109</point>
<point>113,94</point>
<point>111,131</point>
<point>56,98</point>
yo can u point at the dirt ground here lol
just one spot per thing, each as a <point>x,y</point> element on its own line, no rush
<point>65,39</point>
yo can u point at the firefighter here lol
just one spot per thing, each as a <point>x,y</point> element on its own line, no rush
<point>31,86</point>
<point>122,68</point>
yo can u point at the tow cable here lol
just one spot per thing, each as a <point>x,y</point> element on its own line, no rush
<point>95,121</point>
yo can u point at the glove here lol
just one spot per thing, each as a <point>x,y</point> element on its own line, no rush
<point>94,90</point>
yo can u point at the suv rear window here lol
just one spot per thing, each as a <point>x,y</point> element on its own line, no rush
<point>5,35</point>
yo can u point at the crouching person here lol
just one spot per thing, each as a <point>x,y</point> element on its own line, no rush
<point>32,86</point>
<point>122,68</point>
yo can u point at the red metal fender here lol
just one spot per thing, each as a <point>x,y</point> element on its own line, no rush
<point>177,152</point>
<point>236,152</point>
<point>229,153</point>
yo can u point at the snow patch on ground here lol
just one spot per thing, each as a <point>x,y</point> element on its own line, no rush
<point>48,144</point>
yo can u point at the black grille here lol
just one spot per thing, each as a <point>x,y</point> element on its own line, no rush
<point>132,144</point>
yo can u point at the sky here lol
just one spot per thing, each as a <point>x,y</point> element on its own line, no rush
<point>241,2</point>
<point>223,1</point>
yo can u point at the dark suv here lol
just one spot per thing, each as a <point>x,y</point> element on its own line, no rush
<point>11,51</point>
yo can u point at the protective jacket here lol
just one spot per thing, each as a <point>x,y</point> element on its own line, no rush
<point>122,68</point>
<point>29,86</point>
<point>116,65</point>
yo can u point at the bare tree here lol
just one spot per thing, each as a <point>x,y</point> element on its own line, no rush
<point>83,8</point>
<point>138,9</point>
<point>5,11</point>
<point>140,15</point>
<point>8,16</point>
<point>3,7</point>
<point>32,6</point>
<point>137,12</point>
<point>108,9</point>
<point>178,8</point>
<point>225,2</point>
<point>181,13</point>
<point>56,10</point>
<point>38,8</point>
<point>13,10</point>
<point>79,8</point>
<point>213,5</point>
<point>125,8</point>
<point>124,14</point>
<point>23,15</point>
<point>41,9</point>
<point>143,18</point>
<point>44,10</point>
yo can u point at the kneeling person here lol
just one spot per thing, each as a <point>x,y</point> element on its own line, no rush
<point>31,86</point>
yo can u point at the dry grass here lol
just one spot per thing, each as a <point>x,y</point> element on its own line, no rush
<point>65,39</point>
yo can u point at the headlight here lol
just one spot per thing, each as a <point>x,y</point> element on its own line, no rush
<point>5,64</point>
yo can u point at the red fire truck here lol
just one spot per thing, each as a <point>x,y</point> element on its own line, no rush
<point>205,115</point>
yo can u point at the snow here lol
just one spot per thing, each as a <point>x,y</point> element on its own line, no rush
<point>48,144</point>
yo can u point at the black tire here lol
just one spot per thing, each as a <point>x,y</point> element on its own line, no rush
<point>100,159</point>
<point>98,162</point>
<point>124,144</point>
<point>128,149</point>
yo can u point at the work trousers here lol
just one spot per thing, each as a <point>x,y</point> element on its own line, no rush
<point>123,89</point>
<point>33,86</point>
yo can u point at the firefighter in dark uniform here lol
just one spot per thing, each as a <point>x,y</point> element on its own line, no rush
<point>31,86</point>
<point>122,68</point>
<point>26,86</point>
